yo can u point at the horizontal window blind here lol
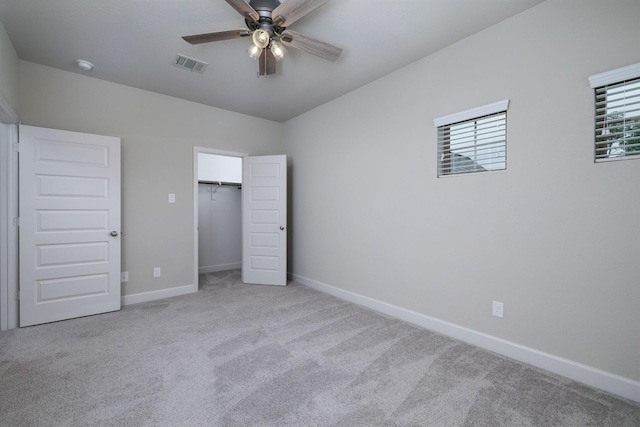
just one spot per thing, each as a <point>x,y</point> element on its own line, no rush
<point>617,120</point>
<point>475,145</point>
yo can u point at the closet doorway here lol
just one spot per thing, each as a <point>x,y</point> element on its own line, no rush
<point>217,210</point>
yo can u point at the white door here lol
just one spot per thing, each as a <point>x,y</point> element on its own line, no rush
<point>69,224</point>
<point>264,220</point>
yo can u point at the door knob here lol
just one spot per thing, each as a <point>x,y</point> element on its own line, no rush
<point>282,227</point>
<point>114,233</point>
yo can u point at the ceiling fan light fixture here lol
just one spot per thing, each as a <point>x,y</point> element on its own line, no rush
<point>254,51</point>
<point>266,21</point>
<point>261,38</point>
<point>278,50</point>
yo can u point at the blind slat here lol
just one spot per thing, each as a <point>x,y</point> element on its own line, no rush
<point>632,146</point>
<point>479,142</point>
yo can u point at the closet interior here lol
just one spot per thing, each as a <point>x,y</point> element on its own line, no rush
<point>219,213</point>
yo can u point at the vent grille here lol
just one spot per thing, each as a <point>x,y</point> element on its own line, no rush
<point>190,64</point>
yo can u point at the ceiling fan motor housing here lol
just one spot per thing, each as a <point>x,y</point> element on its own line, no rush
<point>264,5</point>
<point>264,9</point>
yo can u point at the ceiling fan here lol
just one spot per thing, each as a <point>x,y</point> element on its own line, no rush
<point>267,22</point>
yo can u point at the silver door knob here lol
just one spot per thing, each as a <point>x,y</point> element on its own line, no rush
<point>282,227</point>
<point>114,233</point>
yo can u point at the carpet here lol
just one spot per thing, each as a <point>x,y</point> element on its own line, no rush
<point>246,355</point>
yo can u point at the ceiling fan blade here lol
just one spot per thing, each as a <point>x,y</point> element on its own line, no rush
<point>292,10</point>
<point>216,37</point>
<point>267,63</point>
<point>308,44</point>
<point>244,9</point>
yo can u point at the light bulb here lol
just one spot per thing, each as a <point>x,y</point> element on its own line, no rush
<point>278,50</point>
<point>254,51</point>
<point>261,38</point>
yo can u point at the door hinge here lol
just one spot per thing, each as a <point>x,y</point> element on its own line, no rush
<point>16,147</point>
<point>16,222</point>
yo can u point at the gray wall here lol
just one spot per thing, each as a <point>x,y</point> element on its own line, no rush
<point>158,134</point>
<point>219,228</point>
<point>9,70</point>
<point>555,236</point>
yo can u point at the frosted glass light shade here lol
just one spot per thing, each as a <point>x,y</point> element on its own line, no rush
<point>261,38</point>
<point>254,51</point>
<point>278,50</point>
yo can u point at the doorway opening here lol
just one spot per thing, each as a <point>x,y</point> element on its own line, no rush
<point>217,211</point>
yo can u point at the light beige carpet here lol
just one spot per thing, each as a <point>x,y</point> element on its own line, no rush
<point>246,355</point>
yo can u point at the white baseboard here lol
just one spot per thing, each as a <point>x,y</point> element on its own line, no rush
<point>159,294</point>
<point>594,377</point>
<point>219,267</point>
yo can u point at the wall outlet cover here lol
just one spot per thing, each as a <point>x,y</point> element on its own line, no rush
<point>498,309</point>
<point>156,272</point>
<point>124,277</point>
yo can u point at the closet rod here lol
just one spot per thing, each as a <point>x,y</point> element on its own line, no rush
<point>219,183</point>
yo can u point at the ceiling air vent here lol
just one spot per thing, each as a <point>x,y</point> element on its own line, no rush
<point>190,64</point>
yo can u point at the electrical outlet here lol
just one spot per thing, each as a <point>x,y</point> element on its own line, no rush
<point>498,309</point>
<point>124,277</point>
<point>172,198</point>
<point>156,272</point>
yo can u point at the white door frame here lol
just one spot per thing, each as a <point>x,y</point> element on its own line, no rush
<point>9,249</point>
<point>196,151</point>
<point>9,260</point>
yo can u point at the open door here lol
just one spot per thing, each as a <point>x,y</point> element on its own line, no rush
<point>264,220</point>
<point>69,224</point>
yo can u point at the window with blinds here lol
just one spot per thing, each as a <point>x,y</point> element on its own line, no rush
<point>617,113</point>
<point>474,145</point>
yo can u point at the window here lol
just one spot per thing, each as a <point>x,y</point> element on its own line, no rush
<point>473,141</point>
<point>617,113</point>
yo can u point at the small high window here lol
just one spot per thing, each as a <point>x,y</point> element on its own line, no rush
<point>473,141</point>
<point>617,113</point>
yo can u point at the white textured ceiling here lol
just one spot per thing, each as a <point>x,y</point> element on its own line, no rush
<point>134,42</point>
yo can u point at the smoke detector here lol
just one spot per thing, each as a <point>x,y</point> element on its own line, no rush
<point>84,65</point>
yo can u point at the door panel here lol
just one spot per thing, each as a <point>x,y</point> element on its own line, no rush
<point>264,220</point>
<point>69,206</point>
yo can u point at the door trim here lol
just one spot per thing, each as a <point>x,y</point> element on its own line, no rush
<point>9,305</point>
<point>9,309</point>
<point>196,151</point>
